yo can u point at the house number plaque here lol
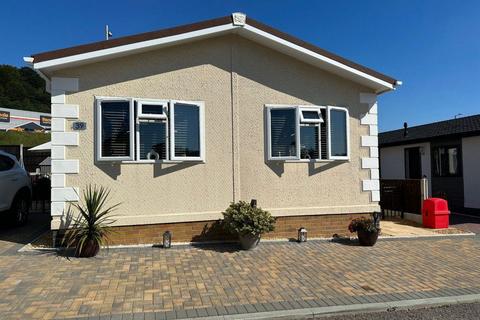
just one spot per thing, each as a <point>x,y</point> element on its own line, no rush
<point>79,125</point>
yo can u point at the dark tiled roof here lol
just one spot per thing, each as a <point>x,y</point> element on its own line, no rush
<point>466,126</point>
<point>61,53</point>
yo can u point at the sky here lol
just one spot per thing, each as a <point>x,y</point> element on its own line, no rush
<point>432,46</point>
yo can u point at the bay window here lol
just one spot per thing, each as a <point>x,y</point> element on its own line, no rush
<point>147,130</point>
<point>307,133</point>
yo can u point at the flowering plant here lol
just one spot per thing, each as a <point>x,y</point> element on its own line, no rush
<point>363,224</point>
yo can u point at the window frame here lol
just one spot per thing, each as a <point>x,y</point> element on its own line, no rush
<point>301,122</point>
<point>98,131</point>
<point>311,121</point>
<point>148,116</point>
<point>459,160</point>
<point>137,141</point>
<point>141,102</point>
<point>329,128</point>
<point>268,109</point>
<point>201,114</point>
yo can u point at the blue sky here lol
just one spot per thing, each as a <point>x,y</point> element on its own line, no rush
<point>432,46</point>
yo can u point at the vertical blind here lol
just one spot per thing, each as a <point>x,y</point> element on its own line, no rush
<point>282,132</point>
<point>323,135</point>
<point>187,130</point>
<point>115,129</point>
<point>338,132</point>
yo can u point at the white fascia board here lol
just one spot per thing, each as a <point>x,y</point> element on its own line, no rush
<point>317,56</point>
<point>138,46</point>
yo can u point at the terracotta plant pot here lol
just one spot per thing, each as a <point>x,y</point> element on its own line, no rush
<point>249,241</point>
<point>89,249</point>
<point>366,238</point>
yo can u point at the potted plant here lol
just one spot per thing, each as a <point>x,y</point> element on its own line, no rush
<point>248,222</point>
<point>90,227</point>
<point>366,229</point>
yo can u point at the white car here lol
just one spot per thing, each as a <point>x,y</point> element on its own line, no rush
<point>15,189</point>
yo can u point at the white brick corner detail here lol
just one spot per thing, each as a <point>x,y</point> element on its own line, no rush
<point>61,111</point>
<point>370,141</point>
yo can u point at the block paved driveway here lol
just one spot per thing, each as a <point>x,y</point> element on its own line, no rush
<point>153,283</point>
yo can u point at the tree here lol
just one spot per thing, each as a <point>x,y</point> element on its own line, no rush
<point>23,88</point>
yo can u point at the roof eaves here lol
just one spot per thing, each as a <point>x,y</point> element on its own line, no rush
<point>43,59</point>
<point>112,43</point>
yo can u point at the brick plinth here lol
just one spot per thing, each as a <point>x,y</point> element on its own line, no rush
<point>286,228</point>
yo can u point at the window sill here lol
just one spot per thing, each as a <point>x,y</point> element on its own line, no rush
<point>309,161</point>
<point>161,161</point>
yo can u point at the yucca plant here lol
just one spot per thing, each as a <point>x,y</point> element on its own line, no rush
<point>91,226</point>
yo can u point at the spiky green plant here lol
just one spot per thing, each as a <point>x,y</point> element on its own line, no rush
<point>93,220</point>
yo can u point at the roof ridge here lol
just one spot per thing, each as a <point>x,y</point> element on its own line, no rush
<point>432,123</point>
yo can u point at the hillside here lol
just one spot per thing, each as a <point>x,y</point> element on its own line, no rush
<point>22,88</point>
<point>28,139</point>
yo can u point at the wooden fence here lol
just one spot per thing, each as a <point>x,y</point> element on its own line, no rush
<point>398,197</point>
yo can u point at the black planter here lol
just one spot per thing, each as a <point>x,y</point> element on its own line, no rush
<point>367,239</point>
<point>90,249</point>
<point>249,241</point>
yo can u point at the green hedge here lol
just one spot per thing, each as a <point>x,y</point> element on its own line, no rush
<point>28,139</point>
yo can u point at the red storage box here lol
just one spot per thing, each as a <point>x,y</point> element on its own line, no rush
<point>435,213</point>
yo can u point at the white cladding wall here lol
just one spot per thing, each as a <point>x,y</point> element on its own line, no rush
<point>392,162</point>
<point>471,171</point>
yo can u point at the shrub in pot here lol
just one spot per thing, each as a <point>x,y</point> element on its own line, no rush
<point>366,229</point>
<point>90,227</point>
<point>248,222</point>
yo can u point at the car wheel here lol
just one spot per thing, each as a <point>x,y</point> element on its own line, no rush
<point>20,210</point>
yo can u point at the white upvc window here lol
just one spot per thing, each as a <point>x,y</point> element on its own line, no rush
<point>304,133</point>
<point>115,129</point>
<point>310,115</point>
<point>187,125</point>
<point>338,133</point>
<point>152,109</point>
<point>283,132</point>
<point>158,130</point>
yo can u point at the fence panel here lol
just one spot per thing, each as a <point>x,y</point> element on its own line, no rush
<point>400,196</point>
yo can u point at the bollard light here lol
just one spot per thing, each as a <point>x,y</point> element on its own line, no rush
<point>302,235</point>
<point>167,239</point>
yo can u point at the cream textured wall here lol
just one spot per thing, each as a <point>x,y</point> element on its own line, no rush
<point>227,73</point>
<point>265,76</point>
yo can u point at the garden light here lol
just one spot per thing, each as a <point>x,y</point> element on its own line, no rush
<point>302,235</point>
<point>167,239</point>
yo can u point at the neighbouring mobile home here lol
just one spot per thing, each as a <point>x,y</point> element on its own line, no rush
<point>447,153</point>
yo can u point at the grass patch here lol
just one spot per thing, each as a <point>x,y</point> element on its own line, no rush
<point>28,139</point>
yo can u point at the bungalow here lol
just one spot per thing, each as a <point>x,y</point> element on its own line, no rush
<point>447,153</point>
<point>180,122</point>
